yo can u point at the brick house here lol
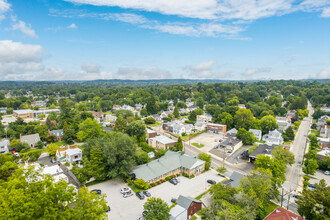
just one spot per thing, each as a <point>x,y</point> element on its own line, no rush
<point>187,203</point>
<point>151,133</point>
<point>216,128</point>
<point>24,114</point>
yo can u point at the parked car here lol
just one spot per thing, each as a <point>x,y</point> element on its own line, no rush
<point>147,193</point>
<point>295,195</point>
<point>97,191</point>
<point>173,181</point>
<point>312,186</point>
<point>52,160</point>
<point>327,172</point>
<point>177,179</point>
<point>108,209</point>
<point>140,195</point>
<point>140,218</point>
<point>125,190</point>
<point>144,213</point>
<point>173,200</point>
<point>127,194</point>
<point>211,181</point>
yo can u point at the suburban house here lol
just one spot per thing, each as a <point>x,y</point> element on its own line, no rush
<point>6,119</point>
<point>69,154</point>
<point>116,107</point>
<point>151,133</point>
<point>234,179</point>
<point>183,111</point>
<point>282,214</point>
<point>325,131</point>
<point>24,114</point>
<point>283,123</point>
<point>241,105</point>
<point>172,163</point>
<point>161,142</point>
<point>3,110</point>
<point>57,133</point>
<point>230,143</point>
<point>322,121</point>
<point>200,126</point>
<point>257,133</point>
<point>204,118</point>
<point>291,114</point>
<point>323,153</point>
<point>324,142</point>
<point>164,114</point>
<point>39,103</point>
<point>138,107</point>
<point>127,107</point>
<point>262,149</point>
<point>178,128</point>
<point>56,172</point>
<point>112,119</point>
<point>325,109</point>
<point>232,132</point>
<point>216,128</point>
<point>37,113</point>
<point>156,117</point>
<point>31,139</point>
<point>98,116</point>
<point>4,144</point>
<point>273,138</point>
<point>189,205</point>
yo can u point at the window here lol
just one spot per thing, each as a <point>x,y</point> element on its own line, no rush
<point>75,157</point>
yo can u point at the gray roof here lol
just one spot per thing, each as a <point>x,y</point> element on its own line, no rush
<point>176,211</point>
<point>262,149</point>
<point>170,161</point>
<point>57,132</point>
<point>4,142</point>
<point>185,202</point>
<point>234,179</point>
<point>30,139</point>
<point>163,139</point>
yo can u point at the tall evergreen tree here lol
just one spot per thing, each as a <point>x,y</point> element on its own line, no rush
<point>176,112</point>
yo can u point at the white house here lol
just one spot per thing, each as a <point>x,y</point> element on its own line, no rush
<point>127,107</point>
<point>273,138</point>
<point>56,172</point>
<point>200,126</point>
<point>204,118</point>
<point>283,123</point>
<point>4,143</point>
<point>178,213</point>
<point>257,133</point>
<point>69,154</point>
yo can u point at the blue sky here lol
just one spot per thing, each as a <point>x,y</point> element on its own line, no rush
<point>159,39</point>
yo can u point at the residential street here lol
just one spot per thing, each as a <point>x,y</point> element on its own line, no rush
<point>294,172</point>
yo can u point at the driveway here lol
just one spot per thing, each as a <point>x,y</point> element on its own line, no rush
<point>208,139</point>
<point>132,207</point>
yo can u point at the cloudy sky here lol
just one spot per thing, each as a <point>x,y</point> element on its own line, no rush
<point>160,39</point>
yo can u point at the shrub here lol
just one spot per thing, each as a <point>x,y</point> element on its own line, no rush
<point>177,174</point>
<point>172,176</point>
<point>67,164</point>
<point>189,122</point>
<point>192,176</point>
<point>141,184</point>
<point>306,178</point>
<point>167,178</point>
<point>141,157</point>
<point>150,120</point>
<point>146,147</point>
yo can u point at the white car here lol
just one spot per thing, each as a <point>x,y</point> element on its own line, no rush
<point>128,194</point>
<point>125,190</point>
<point>327,172</point>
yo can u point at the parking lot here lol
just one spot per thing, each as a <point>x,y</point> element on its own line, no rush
<point>318,176</point>
<point>208,139</point>
<point>132,207</point>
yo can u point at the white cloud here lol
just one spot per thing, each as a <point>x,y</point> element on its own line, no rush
<point>72,26</point>
<point>4,7</point>
<point>90,67</point>
<point>206,70</point>
<point>26,29</point>
<point>326,13</point>
<point>324,74</point>
<point>18,58</point>
<point>252,71</point>
<point>135,73</point>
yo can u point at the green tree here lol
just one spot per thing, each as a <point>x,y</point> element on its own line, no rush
<point>150,120</point>
<point>68,133</point>
<point>310,166</point>
<point>7,166</point>
<point>156,209</point>
<point>137,129</point>
<point>141,157</point>
<point>151,105</point>
<point>243,118</point>
<point>221,170</point>
<point>41,116</point>
<point>315,204</point>
<point>207,158</point>
<point>46,199</point>
<point>179,144</point>
<point>120,124</point>
<point>284,155</point>
<point>247,137</point>
<point>89,129</point>
<point>97,163</point>
<point>141,184</point>
<point>51,149</point>
<point>268,123</point>
<point>200,103</point>
<point>192,116</point>
<point>39,145</point>
<point>288,134</point>
<point>176,112</point>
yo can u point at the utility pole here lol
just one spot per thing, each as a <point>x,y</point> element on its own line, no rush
<point>287,207</point>
<point>282,198</point>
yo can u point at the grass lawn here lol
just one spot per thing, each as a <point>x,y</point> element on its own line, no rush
<point>198,145</point>
<point>261,142</point>
<point>287,143</point>
<point>201,195</point>
<point>185,138</point>
<point>135,189</point>
<point>270,207</point>
<point>315,132</point>
<point>193,217</point>
<point>60,143</point>
<point>155,125</point>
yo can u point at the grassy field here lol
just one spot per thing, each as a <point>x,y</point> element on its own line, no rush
<point>288,143</point>
<point>187,137</point>
<point>198,145</point>
<point>60,143</point>
<point>155,125</point>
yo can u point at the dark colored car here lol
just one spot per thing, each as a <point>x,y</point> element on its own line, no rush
<point>52,160</point>
<point>295,195</point>
<point>312,186</point>
<point>173,200</point>
<point>211,181</point>
<point>97,191</point>
<point>173,181</point>
<point>140,195</point>
<point>108,209</point>
<point>146,193</point>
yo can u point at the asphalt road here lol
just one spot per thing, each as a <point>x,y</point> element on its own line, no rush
<point>294,172</point>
